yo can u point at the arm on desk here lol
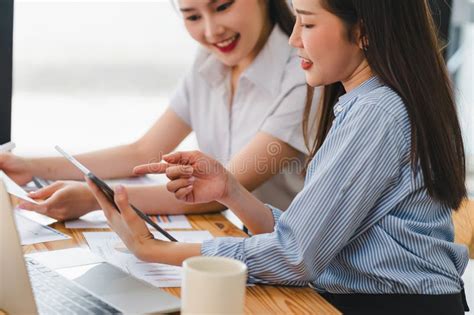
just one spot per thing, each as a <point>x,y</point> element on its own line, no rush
<point>69,200</point>
<point>113,162</point>
<point>157,199</point>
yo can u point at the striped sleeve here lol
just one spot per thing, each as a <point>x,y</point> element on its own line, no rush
<point>358,161</point>
<point>276,213</point>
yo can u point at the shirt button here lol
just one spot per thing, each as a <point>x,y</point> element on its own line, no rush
<point>339,108</point>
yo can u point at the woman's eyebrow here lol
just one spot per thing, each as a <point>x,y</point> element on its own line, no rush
<point>193,9</point>
<point>187,9</point>
<point>304,12</point>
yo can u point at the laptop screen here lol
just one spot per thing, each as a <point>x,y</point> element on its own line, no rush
<point>6,49</point>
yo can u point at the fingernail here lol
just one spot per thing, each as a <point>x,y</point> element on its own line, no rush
<point>190,187</point>
<point>120,189</point>
<point>192,179</point>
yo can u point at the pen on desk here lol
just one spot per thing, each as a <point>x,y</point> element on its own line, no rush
<point>7,147</point>
<point>37,182</point>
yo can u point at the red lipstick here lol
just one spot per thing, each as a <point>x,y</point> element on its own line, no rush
<point>305,64</point>
<point>230,47</point>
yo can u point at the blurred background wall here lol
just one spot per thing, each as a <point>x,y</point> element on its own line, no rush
<point>89,74</point>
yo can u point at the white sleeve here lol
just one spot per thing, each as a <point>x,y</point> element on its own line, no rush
<point>180,99</point>
<point>285,123</point>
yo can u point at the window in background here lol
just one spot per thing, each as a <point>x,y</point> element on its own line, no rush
<point>461,65</point>
<point>91,74</point>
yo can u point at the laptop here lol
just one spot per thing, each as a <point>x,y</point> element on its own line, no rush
<point>28,287</point>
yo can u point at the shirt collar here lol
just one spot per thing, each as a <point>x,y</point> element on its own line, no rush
<point>265,71</point>
<point>348,98</point>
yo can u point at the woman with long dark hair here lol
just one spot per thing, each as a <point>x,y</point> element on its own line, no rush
<point>239,98</point>
<point>371,230</point>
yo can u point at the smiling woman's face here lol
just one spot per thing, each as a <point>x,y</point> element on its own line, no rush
<point>327,54</point>
<point>230,29</point>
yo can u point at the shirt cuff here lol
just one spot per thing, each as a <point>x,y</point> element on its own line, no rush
<point>276,213</point>
<point>230,247</point>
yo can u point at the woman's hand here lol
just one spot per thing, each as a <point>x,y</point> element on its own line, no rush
<point>64,200</point>
<point>195,177</point>
<point>16,167</point>
<point>131,229</point>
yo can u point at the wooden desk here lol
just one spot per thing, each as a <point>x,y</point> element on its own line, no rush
<point>258,300</point>
<point>266,299</point>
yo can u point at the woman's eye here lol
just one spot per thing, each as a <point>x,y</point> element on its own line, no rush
<point>307,25</point>
<point>193,18</point>
<point>224,6</point>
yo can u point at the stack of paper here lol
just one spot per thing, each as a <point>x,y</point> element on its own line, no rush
<point>109,246</point>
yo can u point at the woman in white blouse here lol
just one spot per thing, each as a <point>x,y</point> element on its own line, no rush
<point>243,97</point>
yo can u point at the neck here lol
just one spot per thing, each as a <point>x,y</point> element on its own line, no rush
<point>247,61</point>
<point>362,73</point>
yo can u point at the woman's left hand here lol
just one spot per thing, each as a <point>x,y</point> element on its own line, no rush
<point>127,224</point>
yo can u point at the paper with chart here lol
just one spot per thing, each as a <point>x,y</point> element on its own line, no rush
<point>14,189</point>
<point>97,220</point>
<point>32,232</point>
<point>109,246</point>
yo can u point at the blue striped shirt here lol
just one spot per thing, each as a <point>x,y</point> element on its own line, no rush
<point>363,223</point>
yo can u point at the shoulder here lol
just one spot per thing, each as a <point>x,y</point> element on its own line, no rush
<point>387,101</point>
<point>384,106</point>
<point>202,70</point>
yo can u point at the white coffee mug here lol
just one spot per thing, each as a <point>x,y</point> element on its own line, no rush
<point>213,285</point>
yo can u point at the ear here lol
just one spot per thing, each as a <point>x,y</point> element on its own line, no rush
<point>364,43</point>
<point>361,36</point>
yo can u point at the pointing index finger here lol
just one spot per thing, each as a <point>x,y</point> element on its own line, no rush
<point>152,168</point>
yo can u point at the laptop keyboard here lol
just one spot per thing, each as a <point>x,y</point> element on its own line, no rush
<point>55,294</point>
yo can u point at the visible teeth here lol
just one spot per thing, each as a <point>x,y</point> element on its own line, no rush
<point>226,42</point>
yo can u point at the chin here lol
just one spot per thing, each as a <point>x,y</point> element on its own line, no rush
<point>228,61</point>
<point>313,82</point>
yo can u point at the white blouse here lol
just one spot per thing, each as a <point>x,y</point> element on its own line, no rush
<point>270,98</point>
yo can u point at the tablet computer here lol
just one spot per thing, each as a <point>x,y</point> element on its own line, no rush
<point>109,193</point>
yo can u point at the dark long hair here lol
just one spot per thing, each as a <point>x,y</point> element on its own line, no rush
<point>280,14</point>
<point>403,51</point>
